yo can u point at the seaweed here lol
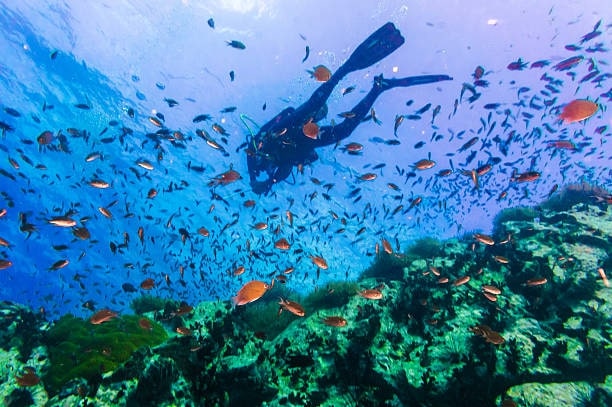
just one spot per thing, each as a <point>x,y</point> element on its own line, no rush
<point>78,348</point>
<point>148,303</point>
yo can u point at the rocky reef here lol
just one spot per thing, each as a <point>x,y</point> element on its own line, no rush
<point>518,318</point>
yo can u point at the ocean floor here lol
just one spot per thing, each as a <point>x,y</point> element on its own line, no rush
<point>518,318</point>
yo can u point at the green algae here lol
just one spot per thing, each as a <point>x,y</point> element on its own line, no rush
<point>78,348</point>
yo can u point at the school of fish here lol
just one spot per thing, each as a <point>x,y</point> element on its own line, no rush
<point>126,209</point>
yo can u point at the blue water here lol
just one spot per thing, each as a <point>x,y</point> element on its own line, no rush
<point>126,57</point>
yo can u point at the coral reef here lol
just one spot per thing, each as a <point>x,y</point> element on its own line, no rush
<point>522,318</point>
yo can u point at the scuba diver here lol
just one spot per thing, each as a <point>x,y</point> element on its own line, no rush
<point>290,138</point>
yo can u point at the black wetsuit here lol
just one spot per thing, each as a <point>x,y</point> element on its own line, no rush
<point>281,144</point>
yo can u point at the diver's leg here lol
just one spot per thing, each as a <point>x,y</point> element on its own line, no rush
<point>332,134</point>
<point>377,46</point>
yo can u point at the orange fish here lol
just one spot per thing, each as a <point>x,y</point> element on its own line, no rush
<point>367,177</point>
<point>145,324</point>
<point>387,246</point>
<point>353,147</point>
<point>183,310</point>
<point>147,284</point>
<point>461,281</point>
<point>251,291</point>
<point>203,232</point>
<point>183,330</point>
<point>260,226</point>
<point>371,294</point>
<point>489,296</point>
<point>60,264</point>
<point>335,321</point>
<point>239,270</point>
<point>282,244</point>
<point>28,379</point>
<point>102,316</point>
<point>144,164</point>
<point>484,239</point>
<point>4,264</point>
<point>578,110</point>
<point>424,164</point>
<point>490,335</point>
<point>533,282</point>
<point>321,73</point>
<point>82,233</point>
<point>501,259</point>
<point>105,212</point>
<point>98,183</point>
<point>311,130</point>
<point>225,178</point>
<point>291,306</point>
<point>491,289</point>
<point>319,262</point>
<point>63,221</point>
<point>604,278</point>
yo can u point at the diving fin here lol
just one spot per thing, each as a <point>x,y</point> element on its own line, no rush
<point>409,81</point>
<point>377,46</point>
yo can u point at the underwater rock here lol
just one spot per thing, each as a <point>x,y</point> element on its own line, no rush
<point>559,394</point>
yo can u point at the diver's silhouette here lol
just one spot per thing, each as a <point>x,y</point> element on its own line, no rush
<point>282,144</point>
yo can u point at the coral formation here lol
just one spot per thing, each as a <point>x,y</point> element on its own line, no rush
<point>522,317</point>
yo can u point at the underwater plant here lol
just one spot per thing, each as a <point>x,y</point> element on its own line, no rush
<point>333,295</point>
<point>520,213</point>
<point>426,248</point>
<point>78,348</point>
<point>149,303</point>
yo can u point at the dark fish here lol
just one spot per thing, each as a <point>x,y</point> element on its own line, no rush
<point>12,112</point>
<point>236,44</point>
<point>469,144</point>
<point>128,288</point>
<point>232,75</point>
<point>539,64</point>
<point>229,109</point>
<point>201,118</point>
<point>568,63</point>
<point>492,106</point>
<point>82,106</point>
<point>211,23</point>
<point>53,55</point>
<point>171,102</point>
<point>307,54</point>
<point>573,47</point>
<point>423,109</point>
<point>347,90</point>
<point>517,65</point>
